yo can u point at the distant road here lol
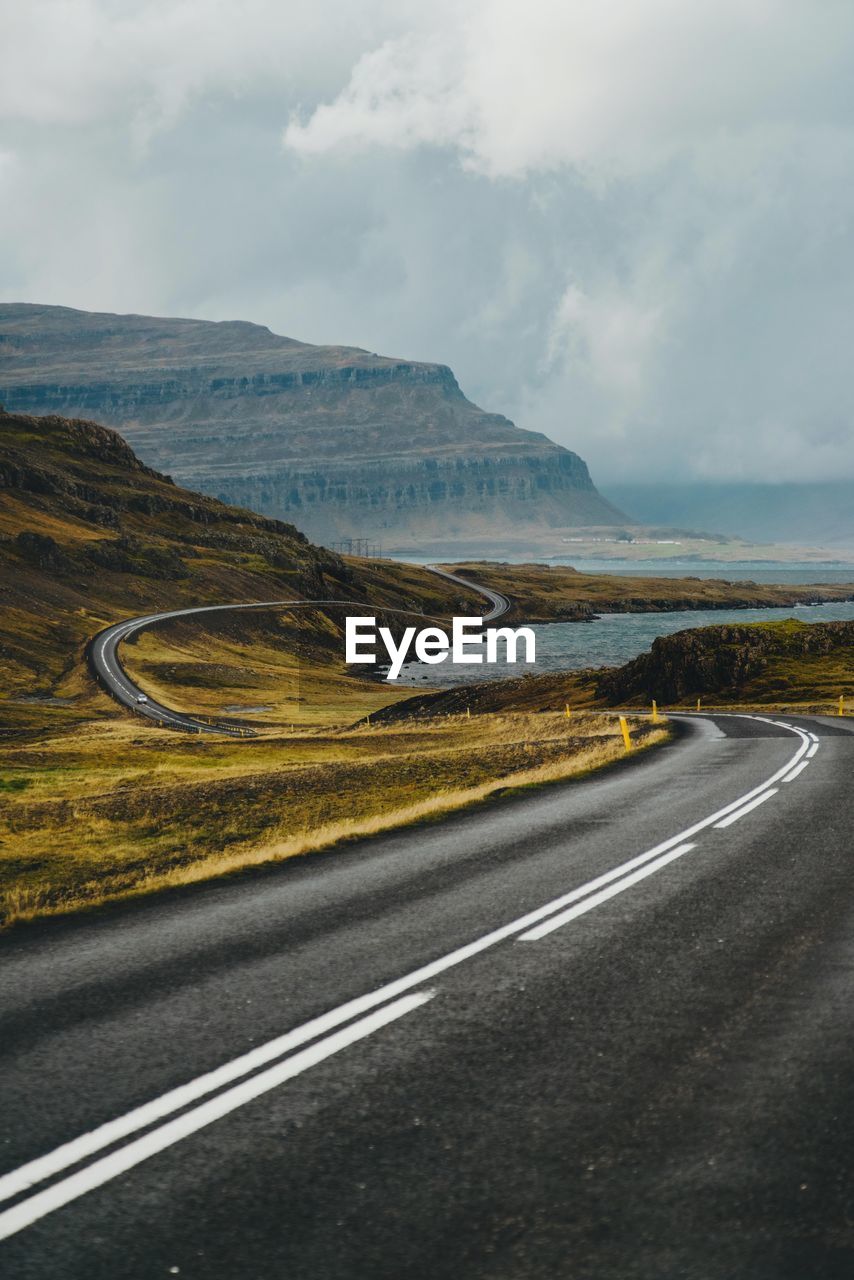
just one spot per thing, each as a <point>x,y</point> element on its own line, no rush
<point>106,664</point>
<point>597,1031</point>
<point>500,603</point>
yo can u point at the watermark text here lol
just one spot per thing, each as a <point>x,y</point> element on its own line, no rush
<point>468,642</point>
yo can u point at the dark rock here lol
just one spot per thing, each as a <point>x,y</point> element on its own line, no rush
<point>40,550</point>
<point>128,555</point>
<point>715,659</point>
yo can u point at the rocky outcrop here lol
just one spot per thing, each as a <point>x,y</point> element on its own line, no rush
<point>715,660</point>
<point>340,441</point>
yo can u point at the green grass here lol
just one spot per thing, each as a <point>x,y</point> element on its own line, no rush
<point>15,784</point>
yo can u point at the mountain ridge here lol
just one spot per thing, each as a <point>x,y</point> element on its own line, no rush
<point>337,440</point>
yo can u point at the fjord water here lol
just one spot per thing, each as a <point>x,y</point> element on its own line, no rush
<point>613,638</point>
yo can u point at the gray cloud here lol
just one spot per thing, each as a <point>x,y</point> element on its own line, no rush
<point>627,225</point>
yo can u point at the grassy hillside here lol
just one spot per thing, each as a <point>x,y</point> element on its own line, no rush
<point>88,535</point>
<point>96,811</point>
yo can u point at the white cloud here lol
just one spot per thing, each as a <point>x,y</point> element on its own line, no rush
<point>610,333</point>
<point>609,87</point>
<point>70,62</point>
<point>715,142</point>
<point>628,223</point>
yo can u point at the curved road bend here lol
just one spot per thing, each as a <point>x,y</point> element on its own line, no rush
<point>601,1031</point>
<point>500,603</point>
<point>106,664</point>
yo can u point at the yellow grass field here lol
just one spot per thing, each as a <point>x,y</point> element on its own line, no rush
<point>101,809</point>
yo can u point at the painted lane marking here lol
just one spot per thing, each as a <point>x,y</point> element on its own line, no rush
<point>87,1144</point>
<point>70,1153</point>
<point>118,1162</point>
<point>740,813</point>
<point>76,1150</point>
<point>813,749</point>
<point>557,922</point>
<point>797,771</point>
<point>181,1096</point>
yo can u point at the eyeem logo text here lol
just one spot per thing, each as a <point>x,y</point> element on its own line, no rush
<point>469,642</point>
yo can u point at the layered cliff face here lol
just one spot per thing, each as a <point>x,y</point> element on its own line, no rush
<point>339,441</point>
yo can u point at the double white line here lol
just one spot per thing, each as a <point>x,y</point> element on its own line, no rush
<point>190,1107</point>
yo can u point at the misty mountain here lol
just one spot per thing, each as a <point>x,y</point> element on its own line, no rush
<point>338,440</point>
<point>802,514</point>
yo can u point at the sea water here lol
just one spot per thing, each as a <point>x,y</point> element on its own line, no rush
<point>612,639</point>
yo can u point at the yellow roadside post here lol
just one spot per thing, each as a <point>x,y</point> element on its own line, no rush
<point>654,711</point>
<point>698,704</point>
<point>624,726</point>
<point>841,710</point>
<point>567,711</point>
<point>468,713</point>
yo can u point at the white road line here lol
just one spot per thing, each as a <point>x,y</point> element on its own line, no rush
<point>813,749</point>
<point>70,1153</point>
<point>110,1166</point>
<point>797,771</point>
<point>557,922</point>
<point>740,813</point>
<point>87,1144</point>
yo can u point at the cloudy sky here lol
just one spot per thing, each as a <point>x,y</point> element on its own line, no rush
<point>626,223</point>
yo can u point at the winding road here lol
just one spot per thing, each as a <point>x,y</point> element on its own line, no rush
<point>599,1031</point>
<point>106,664</point>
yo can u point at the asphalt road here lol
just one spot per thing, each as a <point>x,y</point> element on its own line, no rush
<point>106,664</point>
<point>500,603</point>
<point>601,1030</point>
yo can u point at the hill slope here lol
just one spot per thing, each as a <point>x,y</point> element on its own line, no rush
<point>754,663</point>
<point>89,535</point>
<point>341,441</point>
<point>794,664</point>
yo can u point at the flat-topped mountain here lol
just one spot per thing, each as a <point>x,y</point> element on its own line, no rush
<point>340,441</point>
